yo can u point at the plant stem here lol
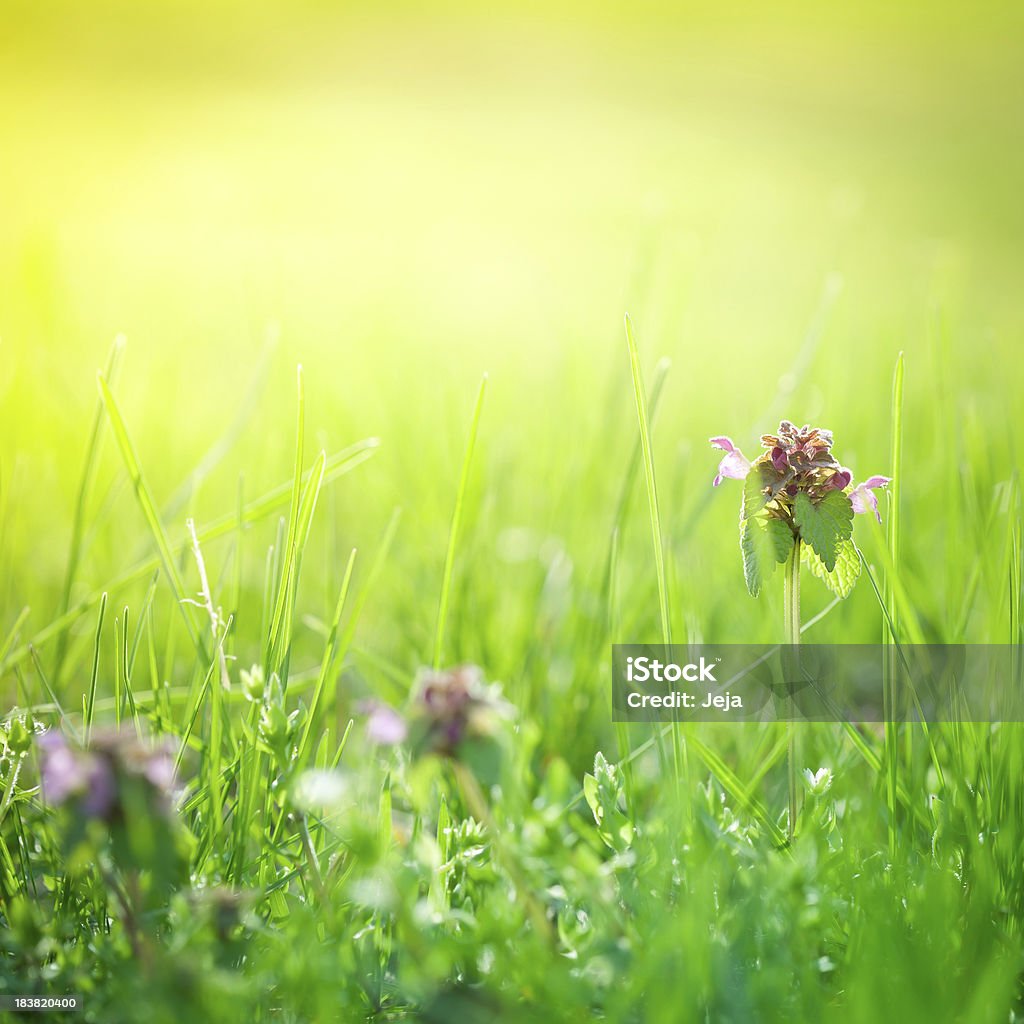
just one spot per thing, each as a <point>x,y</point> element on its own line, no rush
<point>891,637</point>
<point>791,612</point>
<point>792,596</point>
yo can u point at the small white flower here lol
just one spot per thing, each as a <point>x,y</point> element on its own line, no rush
<point>818,782</point>
<point>319,790</point>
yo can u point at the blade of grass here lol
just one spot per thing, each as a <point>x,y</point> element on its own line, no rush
<point>652,488</point>
<point>899,652</point>
<point>12,636</point>
<point>288,575</point>
<point>636,458</point>
<point>41,672</point>
<point>453,533</point>
<point>890,674</point>
<point>118,698</point>
<point>78,519</point>
<point>326,665</point>
<point>148,506</point>
<point>144,621</point>
<point>90,708</point>
<point>350,627</point>
<point>282,631</point>
<point>657,539</point>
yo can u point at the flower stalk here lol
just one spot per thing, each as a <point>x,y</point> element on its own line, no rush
<point>791,602</point>
<point>791,613</point>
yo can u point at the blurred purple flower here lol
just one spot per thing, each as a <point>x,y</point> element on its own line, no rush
<point>734,465</point>
<point>445,708</point>
<point>452,705</point>
<point>101,788</point>
<point>61,773</point>
<point>863,497</point>
<point>384,724</point>
<point>94,776</point>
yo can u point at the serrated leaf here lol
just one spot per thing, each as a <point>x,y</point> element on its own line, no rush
<point>764,542</point>
<point>751,557</point>
<point>756,491</point>
<point>781,538</point>
<point>604,793</point>
<point>846,572</point>
<point>824,524</point>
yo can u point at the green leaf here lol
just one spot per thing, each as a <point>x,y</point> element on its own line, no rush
<point>764,542</point>
<point>752,573</point>
<point>605,795</point>
<point>846,573</point>
<point>825,524</point>
<point>780,537</point>
<point>756,490</point>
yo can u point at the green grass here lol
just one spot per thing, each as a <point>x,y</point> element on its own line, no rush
<point>402,205</point>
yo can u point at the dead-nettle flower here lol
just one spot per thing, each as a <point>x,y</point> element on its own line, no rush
<point>446,708</point>
<point>798,508</point>
<point>797,495</point>
<point>384,724</point>
<point>94,778</point>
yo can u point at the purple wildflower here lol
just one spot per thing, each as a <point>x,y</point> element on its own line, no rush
<point>95,777</point>
<point>863,497</point>
<point>384,724</point>
<point>455,705</point>
<point>446,708</point>
<point>797,459</point>
<point>61,773</point>
<point>734,465</point>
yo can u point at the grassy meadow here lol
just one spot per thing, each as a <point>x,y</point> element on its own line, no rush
<point>441,217</point>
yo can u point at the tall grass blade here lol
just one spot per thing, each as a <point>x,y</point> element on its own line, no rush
<point>453,533</point>
<point>90,708</point>
<point>891,636</point>
<point>657,539</point>
<point>148,506</point>
<point>81,499</point>
<point>652,489</point>
<point>326,668</point>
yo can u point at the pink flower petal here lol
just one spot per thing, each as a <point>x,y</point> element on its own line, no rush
<point>734,465</point>
<point>385,725</point>
<point>863,498</point>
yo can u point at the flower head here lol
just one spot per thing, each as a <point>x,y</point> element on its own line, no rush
<point>797,459</point>
<point>384,724</point>
<point>798,501</point>
<point>456,704</point>
<point>446,708</point>
<point>95,778</point>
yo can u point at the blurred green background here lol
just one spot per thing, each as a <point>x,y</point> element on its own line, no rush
<point>401,199</point>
